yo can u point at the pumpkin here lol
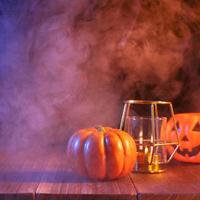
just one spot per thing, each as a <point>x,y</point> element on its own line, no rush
<point>101,153</point>
<point>188,127</point>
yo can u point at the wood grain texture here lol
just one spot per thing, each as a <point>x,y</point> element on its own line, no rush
<point>50,178</point>
<point>180,182</point>
<point>58,181</point>
<point>16,178</point>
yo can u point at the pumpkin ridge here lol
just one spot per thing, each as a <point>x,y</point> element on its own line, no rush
<point>105,135</point>
<point>94,168</point>
<point>125,153</point>
<point>83,153</point>
<point>131,143</point>
<point>119,139</point>
<point>105,154</point>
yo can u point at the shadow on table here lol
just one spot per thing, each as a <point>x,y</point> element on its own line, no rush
<point>42,176</point>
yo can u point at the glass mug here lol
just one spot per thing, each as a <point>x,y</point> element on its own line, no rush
<point>151,149</point>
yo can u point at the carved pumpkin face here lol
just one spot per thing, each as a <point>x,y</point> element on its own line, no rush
<point>188,126</point>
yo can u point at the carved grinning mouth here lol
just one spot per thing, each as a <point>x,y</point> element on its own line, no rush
<point>194,151</point>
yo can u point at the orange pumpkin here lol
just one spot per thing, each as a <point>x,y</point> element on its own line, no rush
<point>101,153</point>
<point>188,126</point>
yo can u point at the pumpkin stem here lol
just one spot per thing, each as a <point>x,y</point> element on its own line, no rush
<point>100,128</point>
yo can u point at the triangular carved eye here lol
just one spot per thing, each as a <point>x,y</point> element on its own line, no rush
<point>185,138</point>
<point>197,127</point>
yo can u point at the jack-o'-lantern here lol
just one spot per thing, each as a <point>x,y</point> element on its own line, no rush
<point>101,153</point>
<point>188,127</point>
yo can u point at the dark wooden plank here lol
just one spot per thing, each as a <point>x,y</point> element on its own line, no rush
<point>10,179</point>
<point>180,182</point>
<point>19,176</point>
<point>59,183</point>
<point>16,196</point>
<point>98,190</point>
<point>168,197</point>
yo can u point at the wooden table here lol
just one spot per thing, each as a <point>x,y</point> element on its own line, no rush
<point>48,179</point>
